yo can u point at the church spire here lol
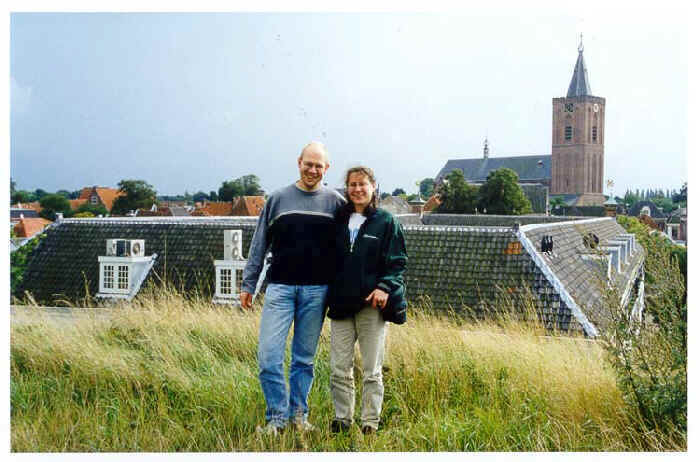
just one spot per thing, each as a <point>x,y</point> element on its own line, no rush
<point>486,148</point>
<point>579,82</point>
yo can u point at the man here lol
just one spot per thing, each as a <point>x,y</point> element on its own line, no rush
<point>296,224</point>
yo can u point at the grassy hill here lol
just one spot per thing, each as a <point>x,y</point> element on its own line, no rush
<point>171,374</point>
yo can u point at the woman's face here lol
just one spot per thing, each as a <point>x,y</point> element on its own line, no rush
<point>360,189</point>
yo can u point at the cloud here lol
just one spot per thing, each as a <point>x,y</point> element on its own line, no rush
<point>20,97</point>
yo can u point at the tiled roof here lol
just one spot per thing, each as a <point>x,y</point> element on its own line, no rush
<point>583,278</point>
<point>28,205</point>
<point>65,263</point>
<point>395,205</point>
<point>217,209</point>
<point>458,267</point>
<point>528,168</point>
<point>106,195</point>
<point>28,227</point>
<point>432,203</point>
<point>75,203</point>
<point>247,206</point>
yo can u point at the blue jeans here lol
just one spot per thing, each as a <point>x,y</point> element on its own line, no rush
<point>284,304</point>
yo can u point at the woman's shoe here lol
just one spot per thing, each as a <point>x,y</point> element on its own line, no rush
<point>338,426</point>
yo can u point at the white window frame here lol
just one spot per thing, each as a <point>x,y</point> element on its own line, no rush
<point>236,279</point>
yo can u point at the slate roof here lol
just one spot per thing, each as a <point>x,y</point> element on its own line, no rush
<point>584,278</point>
<point>528,168</point>
<point>395,205</point>
<point>65,262</point>
<point>579,85</point>
<point>16,213</point>
<point>466,268</point>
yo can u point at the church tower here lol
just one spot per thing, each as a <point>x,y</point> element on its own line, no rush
<point>578,136</point>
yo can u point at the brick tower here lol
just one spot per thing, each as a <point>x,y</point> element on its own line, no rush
<point>578,136</point>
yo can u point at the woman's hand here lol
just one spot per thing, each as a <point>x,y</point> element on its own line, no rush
<point>377,299</point>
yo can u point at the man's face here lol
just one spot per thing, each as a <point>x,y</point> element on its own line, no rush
<point>312,166</point>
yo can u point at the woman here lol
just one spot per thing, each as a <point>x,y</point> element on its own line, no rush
<point>367,291</point>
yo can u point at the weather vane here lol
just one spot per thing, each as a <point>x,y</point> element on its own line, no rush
<point>580,44</point>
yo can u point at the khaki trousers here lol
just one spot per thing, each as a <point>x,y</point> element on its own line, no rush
<point>368,329</point>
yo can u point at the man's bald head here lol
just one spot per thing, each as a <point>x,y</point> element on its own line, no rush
<point>315,148</point>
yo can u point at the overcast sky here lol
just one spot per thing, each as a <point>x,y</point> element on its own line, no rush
<point>186,101</point>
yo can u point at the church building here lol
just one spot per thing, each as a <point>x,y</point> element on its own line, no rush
<point>574,170</point>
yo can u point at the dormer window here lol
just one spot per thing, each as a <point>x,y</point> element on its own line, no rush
<point>93,200</point>
<point>123,268</point>
<point>229,271</point>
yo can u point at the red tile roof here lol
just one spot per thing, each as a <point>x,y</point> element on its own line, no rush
<point>106,195</point>
<point>248,206</point>
<point>217,209</point>
<point>75,203</point>
<point>432,204</point>
<point>28,227</point>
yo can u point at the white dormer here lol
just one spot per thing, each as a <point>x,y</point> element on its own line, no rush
<point>124,268</point>
<point>229,271</point>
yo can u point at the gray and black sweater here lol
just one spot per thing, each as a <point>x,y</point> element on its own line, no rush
<point>297,227</point>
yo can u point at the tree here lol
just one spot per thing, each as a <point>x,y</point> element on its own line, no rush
<point>502,195</point>
<point>384,195</point>
<point>398,192</point>
<point>456,195</point>
<point>213,196</point>
<point>51,204</point>
<point>683,195</point>
<point>22,197</point>
<point>137,195</point>
<point>39,193</point>
<point>200,196</point>
<point>12,186</point>
<point>427,185</point>
<point>248,185</point>
<point>556,202</point>
<point>93,209</point>
<point>63,192</point>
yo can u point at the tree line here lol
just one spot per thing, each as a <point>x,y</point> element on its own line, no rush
<point>136,194</point>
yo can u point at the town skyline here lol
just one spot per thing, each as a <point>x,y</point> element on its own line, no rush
<point>187,101</point>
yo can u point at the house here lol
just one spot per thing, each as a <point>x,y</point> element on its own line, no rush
<point>97,195</point>
<point>17,213</point>
<point>395,205</point>
<point>247,206</point>
<point>28,227</point>
<point>677,225</point>
<point>214,209</point>
<point>460,262</point>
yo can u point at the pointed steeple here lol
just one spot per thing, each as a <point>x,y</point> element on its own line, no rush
<point>486,148</point>
<point>579,82</point>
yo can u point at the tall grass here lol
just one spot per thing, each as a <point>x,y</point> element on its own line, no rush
<point>169,373</point>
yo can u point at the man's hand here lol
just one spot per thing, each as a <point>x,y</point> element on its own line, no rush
<point>246,300</point>
<point>377,299</point>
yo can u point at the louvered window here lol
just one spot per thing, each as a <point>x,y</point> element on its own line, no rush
<point>568,132</point>
<point>594,134</point>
